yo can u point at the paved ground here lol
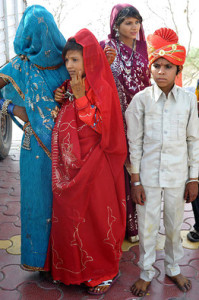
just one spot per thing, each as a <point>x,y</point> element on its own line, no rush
<point>18,284</point>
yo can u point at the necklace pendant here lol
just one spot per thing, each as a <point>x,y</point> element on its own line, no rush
<point>128,71</point>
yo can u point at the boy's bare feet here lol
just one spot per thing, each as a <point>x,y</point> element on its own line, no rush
<point>140,287</point>
<point>183,283</point>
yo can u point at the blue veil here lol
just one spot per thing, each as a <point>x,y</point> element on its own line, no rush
<point>37,69</point>
<point>39,38</point>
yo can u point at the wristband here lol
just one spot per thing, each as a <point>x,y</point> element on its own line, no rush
<point>136,183</point>
<point>10,109</point>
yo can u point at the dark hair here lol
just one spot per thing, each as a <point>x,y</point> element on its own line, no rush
<point>71,45</point>
<point>127,12</point>
<point>178,70</point>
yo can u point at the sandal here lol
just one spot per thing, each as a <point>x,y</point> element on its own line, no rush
<point>133,239</point>
<point>31,269</point>
<point>193,236</point>
<point>107,283</point>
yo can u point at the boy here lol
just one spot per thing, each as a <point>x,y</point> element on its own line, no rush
<point>162,131</point>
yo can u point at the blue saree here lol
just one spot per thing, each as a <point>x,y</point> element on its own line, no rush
<point>31,78</point>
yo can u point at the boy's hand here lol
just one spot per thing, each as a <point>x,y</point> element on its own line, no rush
<point>138,194</point>
<point>59,95</point>
<point>191,191</point>
<point>78,85</point>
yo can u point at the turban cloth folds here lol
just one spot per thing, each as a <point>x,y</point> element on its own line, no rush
<point>164,43</point>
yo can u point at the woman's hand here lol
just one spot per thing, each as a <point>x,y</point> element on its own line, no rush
<point>110,54</point>
<point>20,112</point>
<point>15,110</point>
<point>59,95</point>
<point>78,85</point>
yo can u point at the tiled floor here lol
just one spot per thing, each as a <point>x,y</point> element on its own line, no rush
<point>16,283</point>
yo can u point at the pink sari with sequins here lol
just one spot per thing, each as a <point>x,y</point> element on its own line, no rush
<point>131,73</point>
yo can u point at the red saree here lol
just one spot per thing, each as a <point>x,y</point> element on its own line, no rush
<point>88,221</point>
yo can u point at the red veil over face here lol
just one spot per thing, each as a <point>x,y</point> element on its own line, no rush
<point>100,79</point>
<point>88,221</point>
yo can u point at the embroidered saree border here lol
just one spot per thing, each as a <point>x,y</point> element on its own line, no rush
<point>19,91</point>
<point>38,140</point>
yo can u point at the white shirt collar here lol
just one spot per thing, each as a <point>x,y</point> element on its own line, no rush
<point>158,92</point>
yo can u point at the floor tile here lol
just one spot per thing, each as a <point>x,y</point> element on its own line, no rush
<point>17,284</point>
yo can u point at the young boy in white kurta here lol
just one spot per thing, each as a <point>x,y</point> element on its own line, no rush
<point>163,136</point>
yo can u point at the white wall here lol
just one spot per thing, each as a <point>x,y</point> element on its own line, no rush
<point>10,15</point>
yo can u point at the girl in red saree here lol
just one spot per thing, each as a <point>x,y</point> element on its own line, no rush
<point>88,153</point>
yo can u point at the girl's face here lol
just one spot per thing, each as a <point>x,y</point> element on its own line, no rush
<point>129,29</point>
<point>74,63</point>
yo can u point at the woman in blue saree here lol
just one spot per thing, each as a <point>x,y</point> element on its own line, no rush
<point>29,81</point>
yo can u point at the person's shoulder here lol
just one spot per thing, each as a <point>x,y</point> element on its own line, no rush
<point>141,97</point>
<point>15,64</point>
<point>141,49</point>
<point>141,44</point>
<point>145,92</point>
<point>187,93</point>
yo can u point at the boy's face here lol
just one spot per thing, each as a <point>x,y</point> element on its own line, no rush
<point>74,63</point>
<point>164,74</point>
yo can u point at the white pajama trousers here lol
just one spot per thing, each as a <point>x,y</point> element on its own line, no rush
<point>148,226</point>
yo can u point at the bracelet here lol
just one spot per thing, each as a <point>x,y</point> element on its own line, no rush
<point>5,107</point>
<point>136,183</point>
<point>10,109</point>
<point>192,180</point>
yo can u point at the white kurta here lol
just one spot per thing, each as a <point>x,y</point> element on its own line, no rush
<point>163,136</point>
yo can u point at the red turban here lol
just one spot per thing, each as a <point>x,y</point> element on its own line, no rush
<point>164,43</point>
